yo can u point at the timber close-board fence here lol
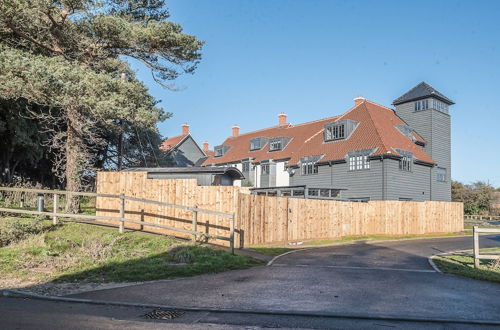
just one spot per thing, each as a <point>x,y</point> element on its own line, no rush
<point>261,220</point>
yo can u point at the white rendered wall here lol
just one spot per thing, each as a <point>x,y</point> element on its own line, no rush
<point>282,176</point>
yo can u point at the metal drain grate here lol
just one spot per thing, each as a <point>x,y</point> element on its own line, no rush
<point>159,314</point>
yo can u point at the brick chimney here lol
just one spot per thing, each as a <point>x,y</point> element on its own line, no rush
<point>282,119</point>
<point>358,100</point>
<point>185,129</point>
<point>205,146</point>
<point>236,130</point>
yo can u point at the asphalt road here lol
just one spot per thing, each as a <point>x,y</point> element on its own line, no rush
<point>29,314</point>
<point>385,279</point>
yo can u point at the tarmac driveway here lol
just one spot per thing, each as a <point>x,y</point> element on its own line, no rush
<point>385,279</point>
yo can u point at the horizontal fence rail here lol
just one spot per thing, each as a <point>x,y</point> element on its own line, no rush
<point>477,255</point>
<point>122,219</point>
<point>481,217</point>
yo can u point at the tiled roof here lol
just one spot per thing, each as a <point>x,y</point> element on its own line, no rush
<point>376,129</point>
<point>421,91</point>
<point>172,142</point>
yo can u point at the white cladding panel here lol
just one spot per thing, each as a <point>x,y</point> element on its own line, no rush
<point>282,176</point>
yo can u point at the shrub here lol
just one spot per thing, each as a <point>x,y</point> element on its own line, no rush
<point>14,231</point>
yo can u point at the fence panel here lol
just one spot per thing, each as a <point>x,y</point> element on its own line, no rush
<point>268,220</point>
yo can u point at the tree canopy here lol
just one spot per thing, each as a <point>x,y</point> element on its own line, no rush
<point>65,63</point>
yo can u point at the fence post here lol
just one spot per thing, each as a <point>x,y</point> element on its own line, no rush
<point>476,246</point>
<point>231,233</point>
<point>21,203</point>
<point>55,209</point>
<point>195,223</point>
<point>121,228</point>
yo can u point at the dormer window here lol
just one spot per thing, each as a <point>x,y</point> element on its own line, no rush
<point>359,159</point>
<point>308,165</point>
<point>405,163</point>
<point>220,151</point>
<point>334,132</point>
<point>339,130</point>
<point>278,143</point>
<point>257,143</point>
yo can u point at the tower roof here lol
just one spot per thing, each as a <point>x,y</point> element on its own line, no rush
<point>421,91</point>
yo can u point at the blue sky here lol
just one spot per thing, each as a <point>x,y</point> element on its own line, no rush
<point>309,59</point>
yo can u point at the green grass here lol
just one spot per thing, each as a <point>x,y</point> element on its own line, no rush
<point>464,266</point>
<point>72,252</point>
<point>378,237</point>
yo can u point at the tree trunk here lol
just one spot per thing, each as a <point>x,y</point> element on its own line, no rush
<point>73,153</point>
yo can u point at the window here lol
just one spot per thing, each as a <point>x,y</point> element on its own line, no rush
<point>441,174</point>
<point>335,132</point>
<point>298,192</point>
<point>275,144</point>
<point>265,169</point>
<point>323,192</point>
<point>360,162</point>
<point>421,105</point>
<point>313,192</point>
<point>286,193</point>
<point>246,167</point>
<point>309,167</point>
<point>218,151</point>
<point>257,143</point>
<point>405,163</point>
<point>440,106</point>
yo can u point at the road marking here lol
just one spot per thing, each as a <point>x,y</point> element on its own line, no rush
<point>356,267</point>
<point>284,254</point>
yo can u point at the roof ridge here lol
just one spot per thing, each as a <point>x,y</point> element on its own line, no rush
<point>381,105</point>
<point>286,127</point>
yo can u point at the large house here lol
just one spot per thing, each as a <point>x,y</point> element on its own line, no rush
<point>371,152</point>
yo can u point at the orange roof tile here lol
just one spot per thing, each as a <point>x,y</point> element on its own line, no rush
<point>376,129</point>
<point>172,142</point>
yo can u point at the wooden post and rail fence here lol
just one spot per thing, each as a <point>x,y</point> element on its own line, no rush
<point>477,254</point>
<point>228,216</point>
<point>122,219</point>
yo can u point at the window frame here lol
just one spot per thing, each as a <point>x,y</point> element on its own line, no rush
<point>272,144</point>
<point>441,174</point>
<point>308,168</point>
<point>335,132</point>
<point>359,162</point>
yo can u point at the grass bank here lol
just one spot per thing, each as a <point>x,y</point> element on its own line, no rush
<point>74,252</point>
<point>463,265</point>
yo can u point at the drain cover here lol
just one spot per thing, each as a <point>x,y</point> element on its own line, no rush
<point>160,314</point>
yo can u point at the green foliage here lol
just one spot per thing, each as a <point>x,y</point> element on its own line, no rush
<point>15,230</point>
<point>62,61</point>
<point>464,266</point>
<point>477,197</point>
<point>81,252</point>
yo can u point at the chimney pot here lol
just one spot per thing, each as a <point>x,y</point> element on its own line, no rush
<point>282,119</point>
<point>358,100</point>
<point>236,130</point>
<point>205,146</point>
<point>185,129</point>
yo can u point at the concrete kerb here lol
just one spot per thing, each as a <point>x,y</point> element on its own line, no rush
<point>433,264</point>
<point>21,294</point>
